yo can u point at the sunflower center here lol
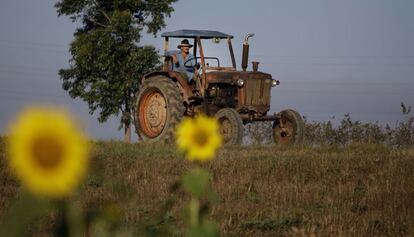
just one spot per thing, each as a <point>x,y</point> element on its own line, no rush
<point>47,152</point>
<point>200,137</point>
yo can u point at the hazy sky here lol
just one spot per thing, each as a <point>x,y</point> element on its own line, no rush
<point>332,57</point>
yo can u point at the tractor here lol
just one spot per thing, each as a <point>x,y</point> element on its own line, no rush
<point>234,97</point>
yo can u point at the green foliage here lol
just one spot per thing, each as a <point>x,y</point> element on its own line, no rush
<point>356,132</point>
<point>348,131</point>
<point>106,60</point>
<point>196,182</point>
<point>18,216</point>
<point>206,229</point>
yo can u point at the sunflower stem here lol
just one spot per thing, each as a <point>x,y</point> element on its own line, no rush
<point>75,220</point>
<point>194,212</point>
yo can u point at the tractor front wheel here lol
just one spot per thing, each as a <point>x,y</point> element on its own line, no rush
<point>231,126</point>
<point>289,129</point>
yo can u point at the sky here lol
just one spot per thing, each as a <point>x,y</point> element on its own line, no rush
<point>331,57</point>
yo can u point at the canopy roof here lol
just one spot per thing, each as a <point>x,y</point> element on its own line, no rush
<point>203,34</point>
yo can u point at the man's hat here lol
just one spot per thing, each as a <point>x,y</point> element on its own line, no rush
<point>184,43</point>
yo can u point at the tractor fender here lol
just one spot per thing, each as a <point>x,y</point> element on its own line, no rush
<point>152,74</point>
<point>181,82</point>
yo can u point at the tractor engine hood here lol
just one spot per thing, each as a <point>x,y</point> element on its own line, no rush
<point>232,76</point>
<point>253,88</point>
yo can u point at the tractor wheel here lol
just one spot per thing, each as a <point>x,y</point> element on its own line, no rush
<point>231,126</point>
<point>289,129</point>
<point>158,109</point>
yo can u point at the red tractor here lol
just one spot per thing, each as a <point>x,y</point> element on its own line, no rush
<point>234,97</point>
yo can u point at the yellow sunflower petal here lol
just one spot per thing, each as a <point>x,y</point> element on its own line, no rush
<point>47,152</point>
<point>199,137</point>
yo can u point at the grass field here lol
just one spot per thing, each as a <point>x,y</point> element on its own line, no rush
<point>359,190</point>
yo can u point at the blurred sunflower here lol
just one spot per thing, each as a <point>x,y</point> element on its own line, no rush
<point>47,152</point>
<point>199,137</point>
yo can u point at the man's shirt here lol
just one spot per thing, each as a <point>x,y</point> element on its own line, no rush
<point>184,65</point>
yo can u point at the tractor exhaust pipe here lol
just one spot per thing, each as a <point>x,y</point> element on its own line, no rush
<point>245,56</point>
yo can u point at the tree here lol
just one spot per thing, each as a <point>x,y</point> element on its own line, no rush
<point>106,60</point>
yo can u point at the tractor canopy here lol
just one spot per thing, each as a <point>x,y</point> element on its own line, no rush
<point>203,34</point>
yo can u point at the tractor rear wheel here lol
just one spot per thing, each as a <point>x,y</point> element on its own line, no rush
<point>158,109</point>
<point>231,126</point>
<point>289,129</point>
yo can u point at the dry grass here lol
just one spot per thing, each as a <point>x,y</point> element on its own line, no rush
<point>359,190</point>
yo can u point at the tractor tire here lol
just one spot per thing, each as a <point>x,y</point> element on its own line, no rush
<point>231,126</point>
<point>293,131</point>
<point>158,109</point>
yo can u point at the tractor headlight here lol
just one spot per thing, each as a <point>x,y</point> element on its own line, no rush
<point>275,82</point>
<point>240,82</point>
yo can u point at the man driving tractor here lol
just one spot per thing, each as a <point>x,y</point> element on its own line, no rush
<point>183,61</point>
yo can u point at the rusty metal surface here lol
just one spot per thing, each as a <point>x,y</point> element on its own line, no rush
<point>152,113</point>
<point>186,88</point>
<point>203,67</point>
<point>265,118</point>
<point>255,66</point>
<point>233,60</point>
<point>257,92</point>
<point>254,95</point>
<point>153,74</point>
<point>245,56</point>
<point>218,76</point>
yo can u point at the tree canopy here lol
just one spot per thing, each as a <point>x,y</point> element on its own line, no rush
<point>106,59</point>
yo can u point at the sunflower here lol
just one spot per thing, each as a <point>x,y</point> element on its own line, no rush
<point>47,152</point>
<point>199,137</point>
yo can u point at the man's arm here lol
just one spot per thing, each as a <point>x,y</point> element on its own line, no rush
<point>190,62</point>
<point>173,55</point>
